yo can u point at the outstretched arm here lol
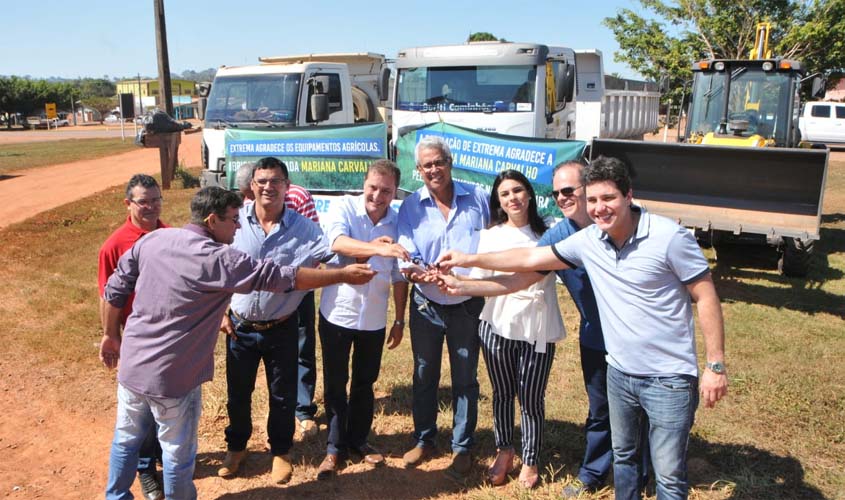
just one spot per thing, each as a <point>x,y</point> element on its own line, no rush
<point>383,246</point>
<point>517,260</point>
<point>495,285</point>
<point>354,274</point>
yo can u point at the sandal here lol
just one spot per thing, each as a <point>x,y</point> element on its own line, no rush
<point>497,474</point>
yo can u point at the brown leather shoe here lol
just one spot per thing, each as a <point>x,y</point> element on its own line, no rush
<point>328,467</point>
<point>282,469</point>
<point>418,454</point>
<point>232,463</point>
<point>460,467</point>
<point>367,454</point>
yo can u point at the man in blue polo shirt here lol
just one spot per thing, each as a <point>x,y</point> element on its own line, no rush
<point>646,271</point>
<point>440,215</point>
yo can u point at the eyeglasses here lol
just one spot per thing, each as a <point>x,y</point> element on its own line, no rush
<point>275,181</point>
<point>148,203</point>
<point>235,218</point>
<point>438,163</point>
<point>565,192</point>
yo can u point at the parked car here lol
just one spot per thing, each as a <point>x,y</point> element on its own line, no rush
<point>823,122</point>
<point>60,122</point>
<point>111,119</point>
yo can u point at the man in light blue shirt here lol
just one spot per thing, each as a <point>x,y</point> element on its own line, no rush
<point>353,319</point>
<point>264,326</point>
<point>439,216</point>
<point>647,272</point>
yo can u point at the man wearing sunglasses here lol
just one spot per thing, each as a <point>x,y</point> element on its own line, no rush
<point>143,203</point>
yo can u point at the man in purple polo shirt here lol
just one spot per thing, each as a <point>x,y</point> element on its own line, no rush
<point>183,280</point>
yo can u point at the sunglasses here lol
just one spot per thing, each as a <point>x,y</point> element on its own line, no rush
<point>566,192</point>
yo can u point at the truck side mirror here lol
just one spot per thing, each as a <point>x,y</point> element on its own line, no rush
<point>318,108</point>
<point>203,89</point>
<point>202,103</point>
<point>565,82</point>
<point>383,84</point>
<point>818,87</point>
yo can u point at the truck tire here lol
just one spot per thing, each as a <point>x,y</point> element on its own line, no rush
<point>362,106</point>
<point>795,257</point>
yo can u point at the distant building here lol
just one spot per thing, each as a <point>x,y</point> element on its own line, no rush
<point>184,95</point>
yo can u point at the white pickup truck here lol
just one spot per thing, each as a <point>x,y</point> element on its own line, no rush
<point>823,122</point>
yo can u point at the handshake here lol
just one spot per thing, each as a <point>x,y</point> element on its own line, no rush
<point>440,273</point>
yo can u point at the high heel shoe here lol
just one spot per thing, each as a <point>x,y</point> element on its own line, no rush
<point>497,474</point>
<point>529,477</point>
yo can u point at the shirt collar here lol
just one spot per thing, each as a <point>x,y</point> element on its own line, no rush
<point>284,220</point>
<point>140,231</point>
<point>200,230</point>
<point>457,189</point>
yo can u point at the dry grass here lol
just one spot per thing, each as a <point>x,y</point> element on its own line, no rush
<point>780,434</point>
<point>23,155</point>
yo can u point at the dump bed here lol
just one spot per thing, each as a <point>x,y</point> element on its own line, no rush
<point>770,191</point>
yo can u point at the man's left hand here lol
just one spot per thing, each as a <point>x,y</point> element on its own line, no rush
<point>713,387</point>
<point>395,336</point>
<point>109,351</point>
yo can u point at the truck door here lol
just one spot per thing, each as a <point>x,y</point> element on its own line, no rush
<point>560,87</point>
<point>339,110</point>
<point>818,117</point>
<point>838,130</point>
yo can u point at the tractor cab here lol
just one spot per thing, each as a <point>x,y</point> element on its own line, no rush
<point>745,103</point>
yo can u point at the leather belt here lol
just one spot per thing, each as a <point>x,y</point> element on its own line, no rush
<point>260,326</point>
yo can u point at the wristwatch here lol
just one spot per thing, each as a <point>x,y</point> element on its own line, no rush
<point>716,367</point>
<point>398,323</point>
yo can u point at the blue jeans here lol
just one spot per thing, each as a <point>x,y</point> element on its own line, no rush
<point>277,347</point>
<point>668,403</point>
<point>177,420</point>
<point>430,324</point>
<point>349,417</point>
<point>307,376</point>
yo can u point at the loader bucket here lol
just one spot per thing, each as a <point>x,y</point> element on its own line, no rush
<point>769,191</point>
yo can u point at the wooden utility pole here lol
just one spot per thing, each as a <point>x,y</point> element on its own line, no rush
<point>165,92</point>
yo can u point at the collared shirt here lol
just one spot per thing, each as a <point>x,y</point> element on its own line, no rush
<point>293,241</point>
<point>426,234</point>
<point>116,245</point>
<point>183,281</point>
<point>359,307</point>
<point>645,307</point>
<point>580,289</point>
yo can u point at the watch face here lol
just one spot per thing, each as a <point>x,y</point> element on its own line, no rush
<point>717,367</point>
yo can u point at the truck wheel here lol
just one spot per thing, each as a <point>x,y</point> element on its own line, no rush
<point>795,257</point>
<point>362,106</point>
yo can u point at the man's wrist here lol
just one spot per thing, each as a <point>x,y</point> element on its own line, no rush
<point>399,322</point>
<point>717,367</point>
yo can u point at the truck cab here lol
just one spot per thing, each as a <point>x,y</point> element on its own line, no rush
<point>277,94</point>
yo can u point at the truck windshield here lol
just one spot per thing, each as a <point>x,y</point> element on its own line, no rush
<point>758,101</point>
<point>254,98</point>
<point>467,89</point>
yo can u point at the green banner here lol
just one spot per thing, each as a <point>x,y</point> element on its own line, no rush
<point>328,158</point>
<point>477,157</point>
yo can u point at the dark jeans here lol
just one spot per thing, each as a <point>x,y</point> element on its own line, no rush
<point>598,455</point>
<point>349,419</point>
<point>150,452</point>
<point>307,376</point>
<point>430,324</point>
<point>277,347</point>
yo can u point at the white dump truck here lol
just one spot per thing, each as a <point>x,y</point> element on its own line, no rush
<point>279,93</point>
<point>519,89</point>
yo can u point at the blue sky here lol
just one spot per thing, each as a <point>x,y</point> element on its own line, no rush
<point>43,38</point>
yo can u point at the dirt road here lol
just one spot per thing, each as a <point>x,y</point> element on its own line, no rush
<point>40,189</point>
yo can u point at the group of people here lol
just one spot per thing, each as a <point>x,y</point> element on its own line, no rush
<point>248,268</point>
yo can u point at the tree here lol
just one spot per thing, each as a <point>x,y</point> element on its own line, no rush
<point>103,105</point>
<point>670,35</point>
<point>483,36</point>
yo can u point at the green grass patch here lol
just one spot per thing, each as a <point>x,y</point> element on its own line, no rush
<point>25,155</point>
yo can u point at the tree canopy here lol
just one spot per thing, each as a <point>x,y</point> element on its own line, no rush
<point>664,38</point>
<point>483,36</point>
<point>27,97</point>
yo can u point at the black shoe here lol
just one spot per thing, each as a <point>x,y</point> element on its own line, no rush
<point>150,486</point>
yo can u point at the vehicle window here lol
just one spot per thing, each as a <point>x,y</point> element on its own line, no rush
<point>840,111</point>
<point>334,93</point>
<point>820,111</point>
<point>254,98</point>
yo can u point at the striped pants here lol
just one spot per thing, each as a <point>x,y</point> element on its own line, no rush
<point>515,369</point>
